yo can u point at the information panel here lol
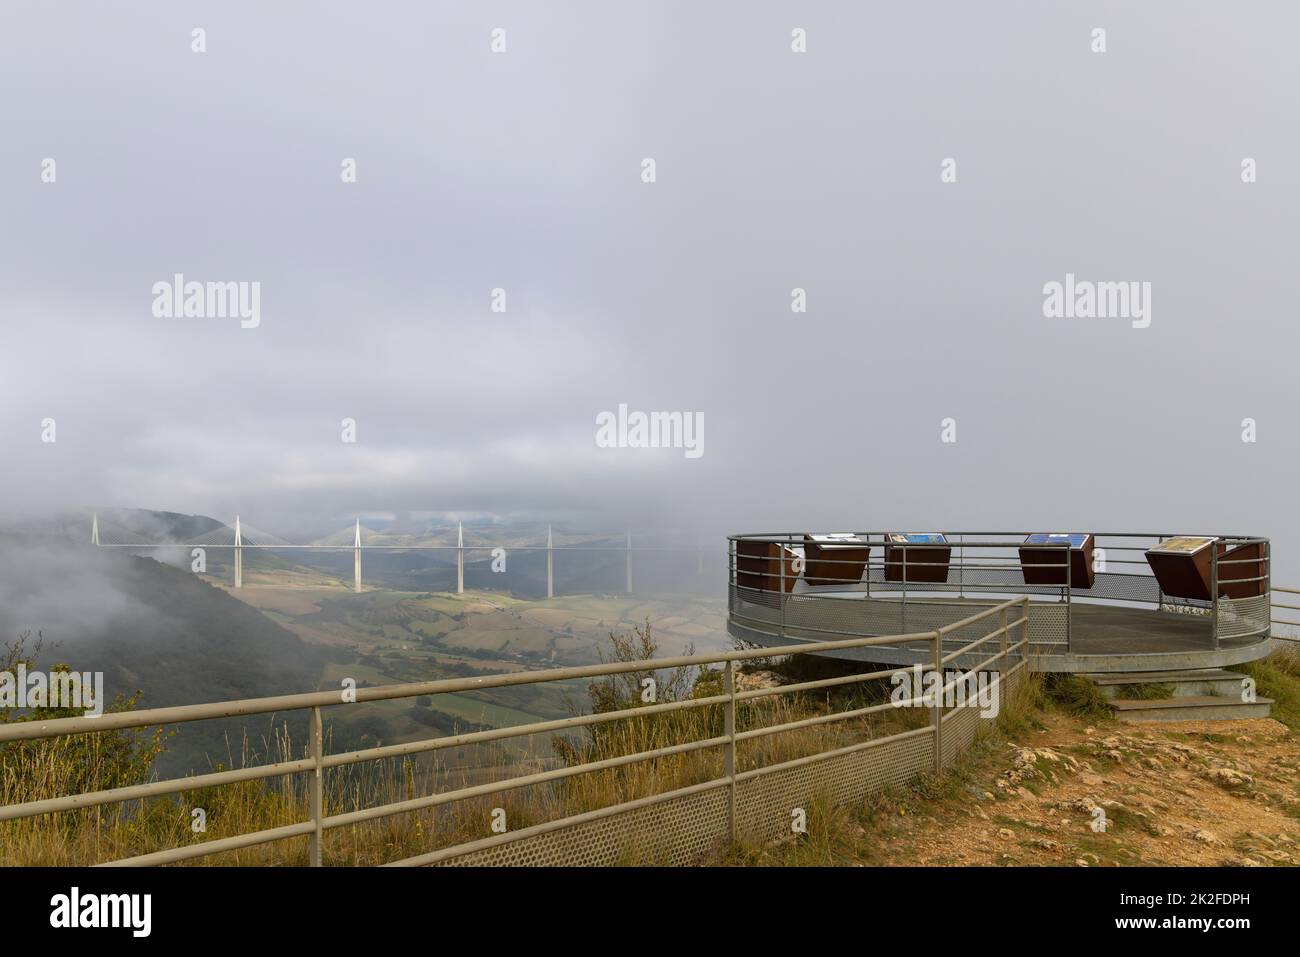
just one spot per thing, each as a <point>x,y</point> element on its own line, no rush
<point>836,558</point>
<point>768,566</point>
<point>917,557</point>
<point>1075,539</point>
<point>1184,566</point>
<point>1181,545</point>
<point>1043,565</point>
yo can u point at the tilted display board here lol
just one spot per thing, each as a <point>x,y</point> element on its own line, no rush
<point>1185,569</point>
<point>837,558</point>
<point>1043,559</point>
<point>768,566</point>
<point>1182,566</point>
<point>925,555</point>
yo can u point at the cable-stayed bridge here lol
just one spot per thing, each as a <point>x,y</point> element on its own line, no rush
<point>239,535</point>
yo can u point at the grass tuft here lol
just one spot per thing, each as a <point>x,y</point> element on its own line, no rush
<point>1077,696</point>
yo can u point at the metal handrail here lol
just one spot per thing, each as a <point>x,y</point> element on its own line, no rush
<point>974,566</point>
<point>317,763</point>
<point>1280,621</point>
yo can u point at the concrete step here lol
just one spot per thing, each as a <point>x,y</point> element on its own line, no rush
<point>1185,684</point>
<point>1191,708</point>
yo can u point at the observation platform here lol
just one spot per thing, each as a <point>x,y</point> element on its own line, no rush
<point>1122,621</point>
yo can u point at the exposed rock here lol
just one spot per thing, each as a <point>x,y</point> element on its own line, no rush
<point>752,680</point>
<point>1229,778</point>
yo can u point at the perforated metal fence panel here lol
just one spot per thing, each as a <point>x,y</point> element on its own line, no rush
<point>1049,624</point>
<point>684,831</point>
<point>1241,618</point>
<point>673,834</point>
<point>764,803</point>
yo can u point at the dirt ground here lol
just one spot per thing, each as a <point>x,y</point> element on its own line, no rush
<point>1170,793</point>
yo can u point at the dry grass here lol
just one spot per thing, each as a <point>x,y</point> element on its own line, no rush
<point>57,767</point>
<point>91,835</point>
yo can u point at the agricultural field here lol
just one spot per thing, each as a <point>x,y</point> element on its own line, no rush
<point>384,636</point>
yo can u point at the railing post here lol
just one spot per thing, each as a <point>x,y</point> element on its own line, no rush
<point>936,706</point>
<point>1268,576</point>
<point>1214,592</point>
<point>729,729</point>
<point>317,787</point>
<point>780,570</point>
<point>1268,587</point>
<point>866,573</point>
<point>1005,642</point>
<point>961,566</point>
<point>1069,599</point>
<point>1160,591</point>
<point>903,624</point>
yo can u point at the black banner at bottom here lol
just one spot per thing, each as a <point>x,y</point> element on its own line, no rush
<point>352,906</point>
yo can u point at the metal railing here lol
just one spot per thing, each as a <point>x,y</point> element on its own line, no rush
<point>1274,606</point>
<point>765,568</point>
<point>915,750</point>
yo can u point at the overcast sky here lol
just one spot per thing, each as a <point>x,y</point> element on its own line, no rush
<point>775,170</point>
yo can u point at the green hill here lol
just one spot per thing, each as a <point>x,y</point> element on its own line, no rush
<point>155,628</point>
